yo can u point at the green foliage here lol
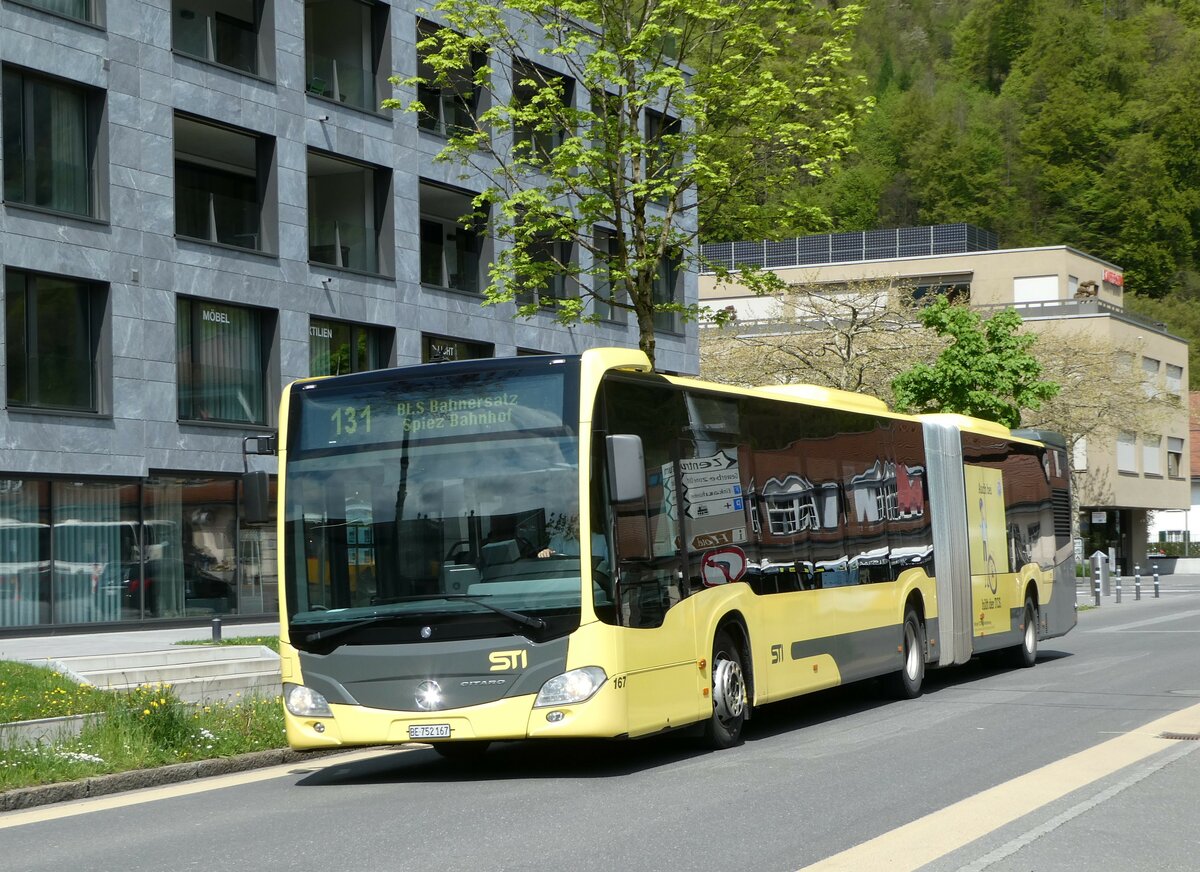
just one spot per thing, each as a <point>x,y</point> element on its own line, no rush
<point>29,692</point>
<point>271,642</point>
<point>686,120</point>
<point>143,727</point>
<point>1049,122</point>
<point>987,370</point>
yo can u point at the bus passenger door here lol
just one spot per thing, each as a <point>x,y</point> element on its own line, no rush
<point>661,678</point>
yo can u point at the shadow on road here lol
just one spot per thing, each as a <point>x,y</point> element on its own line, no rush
<point>531,760</point>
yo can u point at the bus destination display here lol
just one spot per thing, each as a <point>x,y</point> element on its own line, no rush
<point>429,409</point>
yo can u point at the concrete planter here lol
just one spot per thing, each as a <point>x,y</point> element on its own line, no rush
<point>45,730</point>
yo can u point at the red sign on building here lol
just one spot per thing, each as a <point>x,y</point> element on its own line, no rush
<point>1113,277</point>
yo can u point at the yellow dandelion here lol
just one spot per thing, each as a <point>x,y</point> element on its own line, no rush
<point>145,711</point>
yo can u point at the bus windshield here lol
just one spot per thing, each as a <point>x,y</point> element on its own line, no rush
<point>455,499</point>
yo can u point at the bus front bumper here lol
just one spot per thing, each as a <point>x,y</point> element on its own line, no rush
<point>601,716</point>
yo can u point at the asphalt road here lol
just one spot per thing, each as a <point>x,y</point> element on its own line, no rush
<point>1059,767</point>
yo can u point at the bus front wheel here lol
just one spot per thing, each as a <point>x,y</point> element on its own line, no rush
<point>729,699</point>
<point>906,684</point>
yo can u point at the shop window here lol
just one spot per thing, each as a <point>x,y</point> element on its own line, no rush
<point>337,348</point>
<point>95,548</point>
<point>25,586</point>
<point>53,327</point>
<point>346,51</point>
<point>440,349</point>
<point>51,140</point>
<point>224,354</point>
<point>223,185</point>
<point>349,214</point>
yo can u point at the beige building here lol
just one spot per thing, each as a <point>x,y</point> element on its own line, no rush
<point>1117,480</point>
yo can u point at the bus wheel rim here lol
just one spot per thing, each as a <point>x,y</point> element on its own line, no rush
<point>729,690</point>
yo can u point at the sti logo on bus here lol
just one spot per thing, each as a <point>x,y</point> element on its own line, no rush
<point>507,661</point>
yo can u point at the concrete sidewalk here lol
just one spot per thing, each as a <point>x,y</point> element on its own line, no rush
<point>122,642</point>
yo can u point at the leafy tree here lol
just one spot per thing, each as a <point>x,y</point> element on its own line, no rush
<point>987,371</point>
<point>666,122</point>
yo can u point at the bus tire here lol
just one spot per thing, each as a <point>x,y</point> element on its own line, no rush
<point>461,752</point>
<point>723,729</point>
<point>1025,655</point>
<point>908,681</point>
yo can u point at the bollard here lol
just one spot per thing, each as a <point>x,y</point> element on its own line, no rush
<point>1137,583</point>
<point>1156,581</point>
<point>1096,586</point>
<point>216,629</point>
<point>1118,586</point>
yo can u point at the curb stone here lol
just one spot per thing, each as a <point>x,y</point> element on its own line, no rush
<point>102,785</point>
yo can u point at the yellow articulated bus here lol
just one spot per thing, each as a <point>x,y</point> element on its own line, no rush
<point>576,546</point>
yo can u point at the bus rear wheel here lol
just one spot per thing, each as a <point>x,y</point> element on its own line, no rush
<point>729,698</point>
<point>907,683</point>
<point>1025,655</point>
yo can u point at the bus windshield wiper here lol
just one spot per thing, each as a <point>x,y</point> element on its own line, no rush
<point>333,632</point>
<point>515,617</point>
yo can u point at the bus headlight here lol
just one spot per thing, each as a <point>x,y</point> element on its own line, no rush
<point>305,702</point>
<point>578,685</point>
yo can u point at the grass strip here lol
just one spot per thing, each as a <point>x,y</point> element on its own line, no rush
<point>141,728</point>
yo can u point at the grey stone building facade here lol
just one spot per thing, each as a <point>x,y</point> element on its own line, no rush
<point>201,203</point>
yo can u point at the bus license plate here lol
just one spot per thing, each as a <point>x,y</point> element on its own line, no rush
<point>429,731</point>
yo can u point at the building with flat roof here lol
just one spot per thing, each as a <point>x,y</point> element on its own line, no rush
<point>1117,481</point>
<point>202,201</point>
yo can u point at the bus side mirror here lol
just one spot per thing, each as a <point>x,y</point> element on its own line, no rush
<point>626,468</point>
<point>256,497</point>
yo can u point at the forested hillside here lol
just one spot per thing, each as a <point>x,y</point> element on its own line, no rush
<point>1048,121</point>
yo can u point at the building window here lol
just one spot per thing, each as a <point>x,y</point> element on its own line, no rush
<point>551,267</point>
<point>1150,376</point>
<point>532,82</point>
<point>1175,457</point>
<point>337,348</point>
<point>52,328</point>
<point>346,50</point>
<point>440,349</point>
<point>1174,380</point>
<point>1151,455</point>
<point>223,361</point>
<point>80,10</point>
<point>668,289</point>
<point>233,33</point>
<point>349,214</point>
<point>51,130</point>
<point>452,242</point>
<point>662,152</point>
<point>1126,452</point>
<point>607,248</point>
<point>449,106</point>
<point>222,184</point>
<point>1035,289</point>
<point>1079,455</point>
